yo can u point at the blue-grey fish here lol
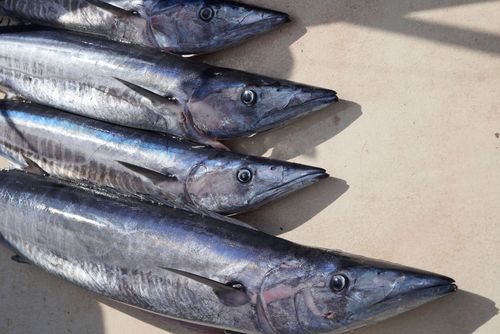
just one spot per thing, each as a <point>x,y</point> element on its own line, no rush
<point>213,273</point>
<point>135,87</point>
<point>176,26</point>
<point>138,162</point>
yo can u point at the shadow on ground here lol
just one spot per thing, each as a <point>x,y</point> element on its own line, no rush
<point>298,208</point>
<point>271,55</point>
<point>301,137</point>
<point>461,313</point>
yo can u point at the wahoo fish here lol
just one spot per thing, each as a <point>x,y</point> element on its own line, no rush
<point>141,163</point>
<point>187,267</point>
<point>178,26</point>
<point>152,91</point>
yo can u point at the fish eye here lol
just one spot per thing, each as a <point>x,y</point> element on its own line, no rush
<point>206,14</point>
<point>338,283</point>
<point>244,175</point>
<point>249,97</point>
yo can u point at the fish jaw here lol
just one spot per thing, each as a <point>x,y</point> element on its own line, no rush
<point>415,292</point>
<point>295,178</point>
<point>305,101</point>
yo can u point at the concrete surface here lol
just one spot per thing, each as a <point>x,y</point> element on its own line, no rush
<point>414,150</point>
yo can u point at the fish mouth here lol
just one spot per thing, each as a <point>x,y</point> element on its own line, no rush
<point>249,30</point>
<point>291,113</point>
<point>408,301</point>
<point>289,187</point>
<point>425,294</point>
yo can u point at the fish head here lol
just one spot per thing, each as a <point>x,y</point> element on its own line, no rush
<point>231,104</point>
<point>203,26</point>
<point>230,183</point>
<point>343,294</point>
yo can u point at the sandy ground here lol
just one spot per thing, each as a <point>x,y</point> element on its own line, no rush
<point>413,148</point>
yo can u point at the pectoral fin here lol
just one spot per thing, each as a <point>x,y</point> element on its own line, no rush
<point>150,95</point>
<point>232,294</point>
<point>154,176</point>
<point>113,8</point>
<point>218,216</point>
<point>33,168</point>
<point>21,161</point>
<point>19,259</point>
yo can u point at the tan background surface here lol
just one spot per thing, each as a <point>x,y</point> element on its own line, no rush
<point>414,150</point>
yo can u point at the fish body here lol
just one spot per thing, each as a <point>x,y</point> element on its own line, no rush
<point>181,27</point>
<point>162,168</point>
<point>136,87</point>
<point>192,268</point>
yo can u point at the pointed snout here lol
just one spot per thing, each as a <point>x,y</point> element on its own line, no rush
<point>304,174</point>
<point>274,18</point>
<point>251,21</point>
<point>385,291</point>
<point>293,177</point>
<point>422,286</point>
<point>262,20</point>
<point>293,102</point>
<point>390,289</point>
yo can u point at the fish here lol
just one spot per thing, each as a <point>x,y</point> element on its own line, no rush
<point>138,88</point>
<point>184,27</point>
<point>188,267</point>
<point>160,168</point>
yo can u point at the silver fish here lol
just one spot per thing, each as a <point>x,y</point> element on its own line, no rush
<point>176,26</point>
<point>211,273</point>
<point>142,89</point>
<point>164,169</point>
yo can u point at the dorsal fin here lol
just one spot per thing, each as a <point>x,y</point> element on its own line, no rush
<point>113,8</point>
<point>232,294</point>
<point>154,176</point>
